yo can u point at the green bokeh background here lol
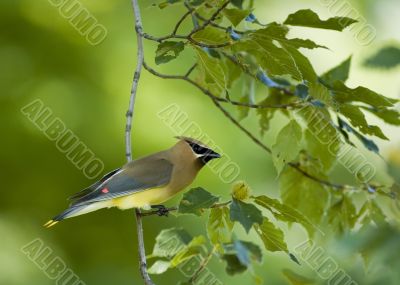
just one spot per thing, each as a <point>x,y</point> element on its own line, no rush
<point>87,87</point>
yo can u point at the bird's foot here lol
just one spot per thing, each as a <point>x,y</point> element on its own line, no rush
<point>161,210</point>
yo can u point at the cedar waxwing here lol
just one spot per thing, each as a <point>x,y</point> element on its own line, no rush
<point>143,183</point>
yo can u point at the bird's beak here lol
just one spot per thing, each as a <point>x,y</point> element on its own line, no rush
<point>213,155</point>
<point>209,156</point>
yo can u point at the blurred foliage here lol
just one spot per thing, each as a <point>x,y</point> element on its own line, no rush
<point>387,57</point>
<point>44,57</point>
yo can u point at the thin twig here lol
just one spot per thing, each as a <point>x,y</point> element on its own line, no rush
<point>129,115</point>
<point>324,182</point>
<point>211,19</point>
<point>180,22</point>
<point>214,97</point>
<point>243,129</point>
<point>204,25</point>
<point>200,44</point>
<point>202,266</point>
<point>182,37</point>
<point>187,74</point>
<point>142,253</point>
<point>172,209</point>
<point>200,17</point>
<point>160,39</point>
<point>156,212</point>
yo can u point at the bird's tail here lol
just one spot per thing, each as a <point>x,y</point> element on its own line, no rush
<point>68,213</point>
<point>64,215</point>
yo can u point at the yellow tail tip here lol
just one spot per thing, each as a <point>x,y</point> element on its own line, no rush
<point>50,224</point>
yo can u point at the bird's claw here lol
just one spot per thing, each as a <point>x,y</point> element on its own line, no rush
<point>162,210</point>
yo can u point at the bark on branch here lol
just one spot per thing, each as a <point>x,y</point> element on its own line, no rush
<point>128,144</point>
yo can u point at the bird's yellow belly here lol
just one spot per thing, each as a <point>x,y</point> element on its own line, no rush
<point>143,199</point>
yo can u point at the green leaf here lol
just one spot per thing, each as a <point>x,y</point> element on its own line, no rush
<point>239,256</point>
<point>323,145</point>
<point>272,237</point>
<point>393,169</point>
<point>246,214</point>
<point>232,72</point>
<point>276,54</point>
<point>237,3</point>
<point>266,114</point>
<point>302,43</point>
<point>321,93</point>
<point>265,118</point>
<point>159,267</point>
<point>194,248</point>
<point>344,94</point>
<point>167,51</point>
<point>245,251</point>
<point>376,214</point>
<point>369,144</point>
<point>219,225</point>
<point>287,145</point>
<point>167,3</point>
<point>357,119</point>
<point>235,16</point>
<point>297,279</point>
<point>211,72</point>
<point>390,116</point>
<point>387,57</point>
<point>308,18</point>
<point>306,195</point>
<point>371,212</point>
<point>196,200</point>
<point>170,241</point>
<point>196,2</point>
<point>342,215</point>
<point>302,63</point>
<point>283,212</point>
<point>378,246</point>
<point>233,264</point>
<point>184,252</point>
<point>321,136</point>
<point>244,111</point>
<point>338,73</point>
<point>211,36</point>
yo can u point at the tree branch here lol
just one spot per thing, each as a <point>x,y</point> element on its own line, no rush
<point>128,143</point>
<point>198,16</point>
<point>211,19</point>
<point>189,37</point>
<point>183,37</point>
<point>214,97</point>
<point>152,213</point>
<point>180,22</point>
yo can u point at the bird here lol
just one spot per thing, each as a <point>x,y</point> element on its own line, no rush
<point>143,183</point>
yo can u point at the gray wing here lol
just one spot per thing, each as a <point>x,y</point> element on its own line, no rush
<point>92,187</point>
<point>136,176</point>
